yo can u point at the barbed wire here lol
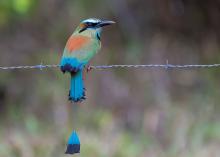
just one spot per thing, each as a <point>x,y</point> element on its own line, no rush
<point>165,66</point>
<point>102,67</point>
<point>40,66</point>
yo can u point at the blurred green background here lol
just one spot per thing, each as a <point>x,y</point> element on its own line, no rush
<point>128,112</point>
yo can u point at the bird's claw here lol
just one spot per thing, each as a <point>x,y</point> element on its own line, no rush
<point>88,69</point>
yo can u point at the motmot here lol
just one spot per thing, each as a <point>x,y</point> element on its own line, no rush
<point>80,48</point>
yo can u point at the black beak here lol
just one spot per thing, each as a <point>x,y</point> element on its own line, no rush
<point>105,23</point>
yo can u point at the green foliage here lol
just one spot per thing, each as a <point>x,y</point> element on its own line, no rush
<point>22,6</point>
<point>13,9</point>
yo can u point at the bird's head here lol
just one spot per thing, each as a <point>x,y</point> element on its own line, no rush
<point>93,25</point>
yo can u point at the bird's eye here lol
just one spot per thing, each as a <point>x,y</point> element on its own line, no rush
<point>90,24</point>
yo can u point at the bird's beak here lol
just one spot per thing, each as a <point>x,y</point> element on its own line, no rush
<point>105,23</point>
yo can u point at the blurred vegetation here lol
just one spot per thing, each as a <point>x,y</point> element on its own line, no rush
<point>128,113</point>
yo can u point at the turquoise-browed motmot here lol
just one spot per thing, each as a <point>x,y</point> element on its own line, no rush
<point>82,45</point>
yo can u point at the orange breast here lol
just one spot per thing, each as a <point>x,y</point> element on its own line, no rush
<point>76,42</point>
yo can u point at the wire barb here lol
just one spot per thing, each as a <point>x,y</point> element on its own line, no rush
<point>103,67</point>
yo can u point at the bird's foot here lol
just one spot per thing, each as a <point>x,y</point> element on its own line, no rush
<point>89,68</point>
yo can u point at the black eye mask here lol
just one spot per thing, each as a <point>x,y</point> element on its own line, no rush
<point>89,25</point>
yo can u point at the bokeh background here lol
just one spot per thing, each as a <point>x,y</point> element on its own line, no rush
<point>128,112</point>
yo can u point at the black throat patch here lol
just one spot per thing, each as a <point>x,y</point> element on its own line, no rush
<point>98,36</point>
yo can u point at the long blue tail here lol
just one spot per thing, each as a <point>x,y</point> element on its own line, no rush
<point>77,90</point>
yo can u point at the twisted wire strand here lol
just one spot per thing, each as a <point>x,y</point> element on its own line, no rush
<point>40,66</point>
<point>166,66</point>
<point>102,67</point>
